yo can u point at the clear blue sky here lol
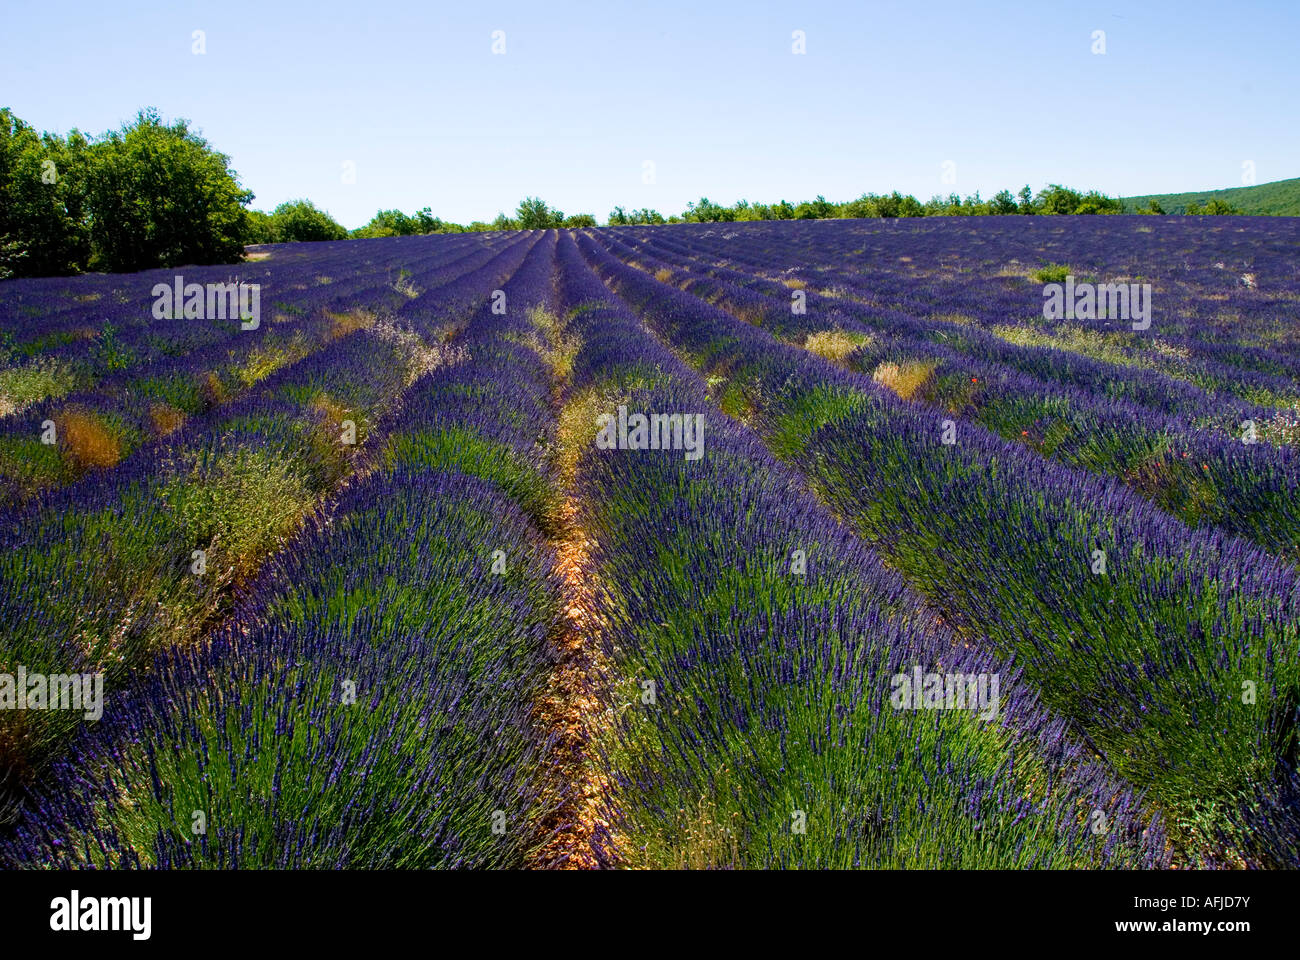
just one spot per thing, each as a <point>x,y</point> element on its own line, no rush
<point>411,93</point>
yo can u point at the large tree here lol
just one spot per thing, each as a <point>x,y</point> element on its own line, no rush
<point>159,195</point>
<point>43,228</point>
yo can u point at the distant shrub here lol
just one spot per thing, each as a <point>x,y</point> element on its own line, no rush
<point>1052,273</point>
<point>302,220</point>
<point>1213,208</point>
<point>618,217</point>
<point>534,214</point>
<point>1058,200</point>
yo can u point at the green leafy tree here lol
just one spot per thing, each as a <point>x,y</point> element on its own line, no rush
<point>388,223</point>
<point>783,211</point>
<point>261,228</point>
<point>1218,208</point>
<point>1003,203</point>
<point>426,222</point>
<point>619,217</point>
<point>159,195</point>
<point>1152,208</point>
<point>534,214</point>
<point>580,220</point>
<point>302,220</point>
<point>43,228</point>
<point>818,209</point>
<point>949,206</point>
<point>1098,203</point>
<point>1058,200</point>
<point>394,223</point>
<point>706,211</point>
<point>861,208</point>
<point>1055,200</point>
<point>908,205</point>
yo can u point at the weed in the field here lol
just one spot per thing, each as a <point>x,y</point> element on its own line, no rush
<point>45,378</point>
<point>836,345</point>
<point>905,379</point>
<point>88,440</point>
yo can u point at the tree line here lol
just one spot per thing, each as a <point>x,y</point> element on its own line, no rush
<point>146,195</point>
<point>301,220</point>
<point>153,194</point>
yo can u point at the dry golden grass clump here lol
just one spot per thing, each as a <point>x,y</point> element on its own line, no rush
<point>558,347</point>
<point>836,345</point>
<point>87,441</point>
<point>165,418</point>
<point>333,411</point>
<point>341,324</point>
<point>906,378</point>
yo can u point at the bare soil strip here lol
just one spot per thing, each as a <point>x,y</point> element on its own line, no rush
<point>576,835</point>
<point>572,712</point>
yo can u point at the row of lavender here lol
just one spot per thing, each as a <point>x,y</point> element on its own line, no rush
<point>756,645</point>
<point>111,376</point>
<point>97,576</point>
<point>1212,350</point>
<point>370,705</point>
<point>1206,478</point>
<point>1172,651</point>
<point>1228,286</point>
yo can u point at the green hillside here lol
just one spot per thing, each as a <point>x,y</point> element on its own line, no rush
<point>1280,199</point>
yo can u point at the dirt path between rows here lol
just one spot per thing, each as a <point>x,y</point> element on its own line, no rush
<point>577,834</point>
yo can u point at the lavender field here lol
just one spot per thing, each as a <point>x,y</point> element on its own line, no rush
<point>952,542</point>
